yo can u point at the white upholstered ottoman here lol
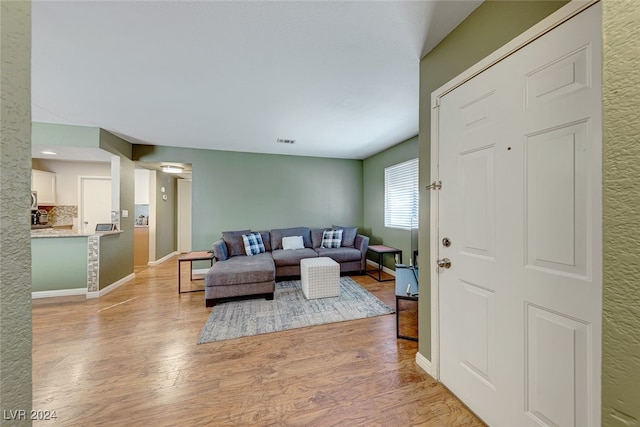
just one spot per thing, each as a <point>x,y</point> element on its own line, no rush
<point>320,277</point>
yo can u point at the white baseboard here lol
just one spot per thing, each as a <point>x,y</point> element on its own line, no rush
<point>424,363</point>
<point>59,293</point>
<point>385,269</point>
<point>111,287</point>
<point>164,258</point>
<point>200,271</point>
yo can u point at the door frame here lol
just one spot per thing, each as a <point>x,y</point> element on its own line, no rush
<point>552,21</point>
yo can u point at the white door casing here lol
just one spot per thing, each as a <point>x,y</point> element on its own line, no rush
<point>519,156</point>
<point>95,202</point>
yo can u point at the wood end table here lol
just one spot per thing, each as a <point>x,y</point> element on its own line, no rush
<point>190,257</point>
<point>383,250</point>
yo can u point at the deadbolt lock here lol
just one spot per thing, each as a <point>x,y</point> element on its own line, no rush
<point>444,263</point>
<point>446,242</point>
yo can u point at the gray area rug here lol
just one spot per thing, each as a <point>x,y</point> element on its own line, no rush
<point>289,310</point>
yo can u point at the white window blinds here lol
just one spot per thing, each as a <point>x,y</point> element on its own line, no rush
<point>401,195</point>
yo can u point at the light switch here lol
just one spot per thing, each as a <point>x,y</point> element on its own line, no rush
<point>125,213</point>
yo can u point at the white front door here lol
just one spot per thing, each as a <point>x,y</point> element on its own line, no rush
<point>95,202</point>
<point>520,163</point>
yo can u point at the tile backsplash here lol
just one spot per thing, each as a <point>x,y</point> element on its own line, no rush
<point>62,215</point>
<point>141,214</point>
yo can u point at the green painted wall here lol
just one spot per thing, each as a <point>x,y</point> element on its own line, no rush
<point>15,186</point>
<point>59,263</point>
<point>234,190</point>
<point>490,26</point>
<point>373,200</point>
<point>112,257</point>
<point>120,264</point>
<point>50,134</point>
<point>166,212</point>
<point>621,193</point>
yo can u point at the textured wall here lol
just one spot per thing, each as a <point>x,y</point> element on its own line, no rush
<point>621,300</point>
<point>489,27</point>
<point>15,186</point>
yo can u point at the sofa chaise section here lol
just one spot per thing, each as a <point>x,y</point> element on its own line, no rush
<point>240,276</point>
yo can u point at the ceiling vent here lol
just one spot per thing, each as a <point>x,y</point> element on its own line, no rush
<point>285,141</point>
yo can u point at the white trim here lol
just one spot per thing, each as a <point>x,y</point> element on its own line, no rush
<point>541,28</point>
<point>200,271</point>
<point>434,246</point>
<point>550,22</point>
<point>424,363</point>
<point>385,269</point>
<point>111,287</point>
<point>164,258</point>
<point>59,293</point>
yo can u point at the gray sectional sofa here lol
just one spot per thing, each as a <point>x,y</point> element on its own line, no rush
<point>236,274</point>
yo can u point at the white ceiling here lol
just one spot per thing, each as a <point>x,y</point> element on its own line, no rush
<point>341,78</point>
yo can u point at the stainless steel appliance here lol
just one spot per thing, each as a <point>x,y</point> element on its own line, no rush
<point>34,200</point>
<point>42,217</point>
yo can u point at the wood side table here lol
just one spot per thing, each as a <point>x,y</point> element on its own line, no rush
<point>190,257</point>
<point>383,250</point>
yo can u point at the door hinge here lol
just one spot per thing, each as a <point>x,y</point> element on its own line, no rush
<point>435,185</point>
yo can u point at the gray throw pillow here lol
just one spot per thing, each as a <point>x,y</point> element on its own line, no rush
<point>220,250</point>
<point>235,244</point>
<point>348,235</point>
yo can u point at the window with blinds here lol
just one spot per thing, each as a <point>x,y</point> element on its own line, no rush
<point>401,195</point>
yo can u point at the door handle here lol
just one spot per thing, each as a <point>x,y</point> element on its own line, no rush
<point>444,263</point>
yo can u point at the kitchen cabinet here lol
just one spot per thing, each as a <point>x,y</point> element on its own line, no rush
<point>45,184</point>
<point>140,246</point>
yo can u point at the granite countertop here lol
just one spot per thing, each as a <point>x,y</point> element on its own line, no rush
<point>40,226</point>
<point>52,232</point>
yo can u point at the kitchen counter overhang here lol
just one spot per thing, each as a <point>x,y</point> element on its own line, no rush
<point>52,232</point>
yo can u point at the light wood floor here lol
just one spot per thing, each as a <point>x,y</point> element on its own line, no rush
<point>131,358</point>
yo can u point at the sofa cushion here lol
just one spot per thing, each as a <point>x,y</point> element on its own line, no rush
<point>242,270</point>
<point>340,254</point>
<point>278,233</point>
<point>348,235</point>
<point>282,257</point>
<point>331,239</point>
<point>253,244</point>
<point>235,244</point>
<point>316,236</point>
